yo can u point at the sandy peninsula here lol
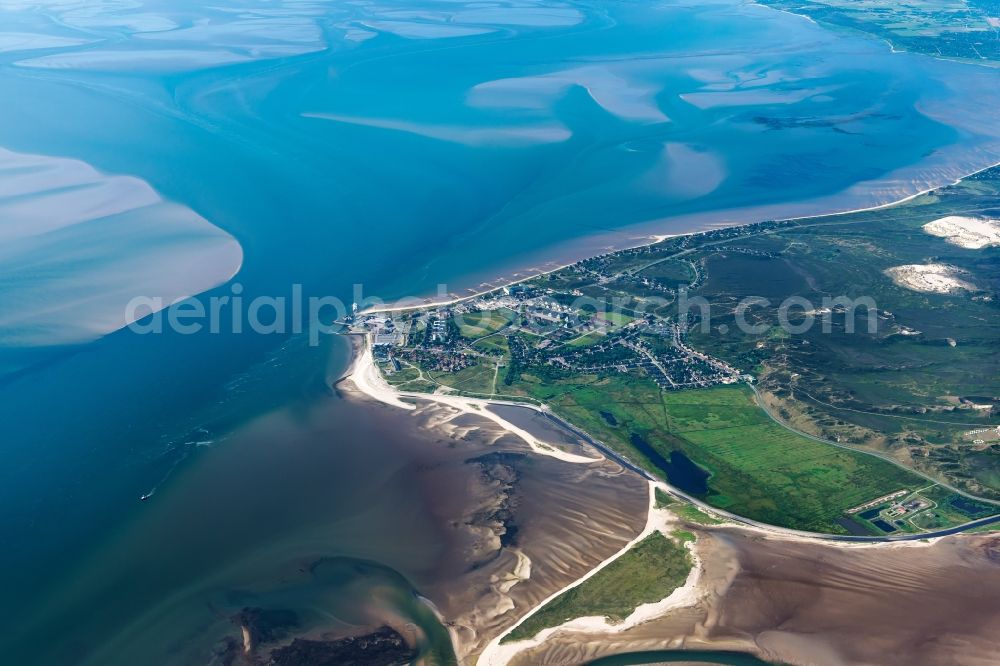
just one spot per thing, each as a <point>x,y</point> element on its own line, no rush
<point>365,375</point>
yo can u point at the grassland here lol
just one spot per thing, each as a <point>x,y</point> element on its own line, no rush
<point>907,388</point>
<point>757,468</point>
<point>693,514</point>
<point>649,572</point>
<point>587,340</point>
<point>480,324</point>
<point>474,379</point>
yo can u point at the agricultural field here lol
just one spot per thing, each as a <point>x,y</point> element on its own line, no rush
<point>649,572</point>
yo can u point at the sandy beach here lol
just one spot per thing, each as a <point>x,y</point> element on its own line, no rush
<point>365,376</point>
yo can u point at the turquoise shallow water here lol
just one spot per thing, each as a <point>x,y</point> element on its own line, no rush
<point>400,145</point>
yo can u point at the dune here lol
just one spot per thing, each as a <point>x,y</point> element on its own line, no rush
<point>931,278</point>
<point>972,233</point>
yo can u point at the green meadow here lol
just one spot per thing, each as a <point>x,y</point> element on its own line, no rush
<point>648,572</point>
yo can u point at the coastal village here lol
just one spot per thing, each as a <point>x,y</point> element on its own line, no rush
<point>600,315</point>
<point>538,331</point>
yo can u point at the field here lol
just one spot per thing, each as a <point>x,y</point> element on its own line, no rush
<point>649,572</point>
<point>479,324</point>
<point>757,468</point>
<point>474,379</point>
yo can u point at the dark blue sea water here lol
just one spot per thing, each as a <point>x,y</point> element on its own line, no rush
<point>392,145</point>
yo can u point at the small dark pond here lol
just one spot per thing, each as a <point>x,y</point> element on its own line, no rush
<point>884,526</point>
<point>679,470</point>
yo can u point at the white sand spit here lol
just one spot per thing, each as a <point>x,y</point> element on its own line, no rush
<point>931,278</point>
<point>973,233</point>
<point>368,379</point>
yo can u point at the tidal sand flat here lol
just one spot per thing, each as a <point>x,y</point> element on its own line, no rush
<point>77,244</point>
<point>806,602</point>
<point>361,517</point>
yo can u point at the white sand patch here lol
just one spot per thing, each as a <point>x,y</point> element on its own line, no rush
<point>132,60</point>
<point>973,233</point>
<point>220,40</point>
<point>520,15</point>
<point>931,278</point>
<point>419,30</point>
<point>618,90</point>
<point>752,97</point>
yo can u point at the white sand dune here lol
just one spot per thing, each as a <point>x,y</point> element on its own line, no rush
<point>76,245</point>
<point>973,233</point>
<point>931,278</point>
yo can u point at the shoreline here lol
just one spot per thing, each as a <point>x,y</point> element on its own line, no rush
<point>363,372</point>
<point>367,378</point>
<point>408,303</point>
<point>365,375</point>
